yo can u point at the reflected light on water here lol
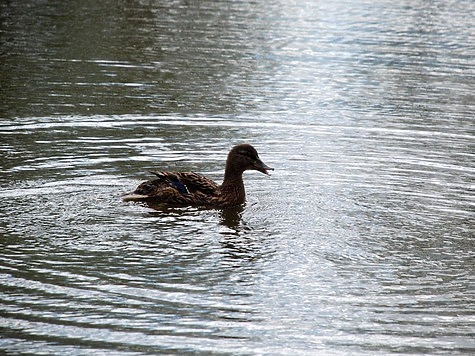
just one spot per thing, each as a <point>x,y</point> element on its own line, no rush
<point>360,242</point>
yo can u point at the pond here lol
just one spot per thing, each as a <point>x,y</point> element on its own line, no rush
<point>361,240</point>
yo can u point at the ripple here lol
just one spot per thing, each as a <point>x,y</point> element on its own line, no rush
<point>360,241</point>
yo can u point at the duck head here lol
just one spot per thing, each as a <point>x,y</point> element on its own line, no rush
<point>244,157</point>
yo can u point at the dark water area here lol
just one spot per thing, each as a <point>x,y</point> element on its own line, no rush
<point>361,241</point>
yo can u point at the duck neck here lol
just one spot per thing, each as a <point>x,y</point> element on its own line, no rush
<point>233,185</point>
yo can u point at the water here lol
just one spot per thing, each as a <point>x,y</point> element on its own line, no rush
<point>360,242</point>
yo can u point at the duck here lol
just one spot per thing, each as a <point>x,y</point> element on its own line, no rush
<point>179,189</point>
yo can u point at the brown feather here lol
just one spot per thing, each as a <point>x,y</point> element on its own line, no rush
<point>190,188</point>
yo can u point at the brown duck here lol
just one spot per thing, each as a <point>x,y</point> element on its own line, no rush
<point>189,188</point>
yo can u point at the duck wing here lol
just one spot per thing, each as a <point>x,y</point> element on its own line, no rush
<point>188,182</point>
<point>175,188</point>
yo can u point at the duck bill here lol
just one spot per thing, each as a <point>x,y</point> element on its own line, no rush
<point>262,167</point>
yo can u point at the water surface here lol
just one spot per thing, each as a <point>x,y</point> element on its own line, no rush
<point>360,242</point>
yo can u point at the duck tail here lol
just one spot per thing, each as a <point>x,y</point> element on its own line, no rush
<point>134,197</point>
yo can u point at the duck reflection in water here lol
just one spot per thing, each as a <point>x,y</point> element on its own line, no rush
<point>179,189</point>
<point>231,218</point>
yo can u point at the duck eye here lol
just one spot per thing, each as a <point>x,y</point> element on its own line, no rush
<point>248,154</point>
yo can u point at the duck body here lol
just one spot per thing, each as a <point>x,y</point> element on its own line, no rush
<point>193,189</point>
